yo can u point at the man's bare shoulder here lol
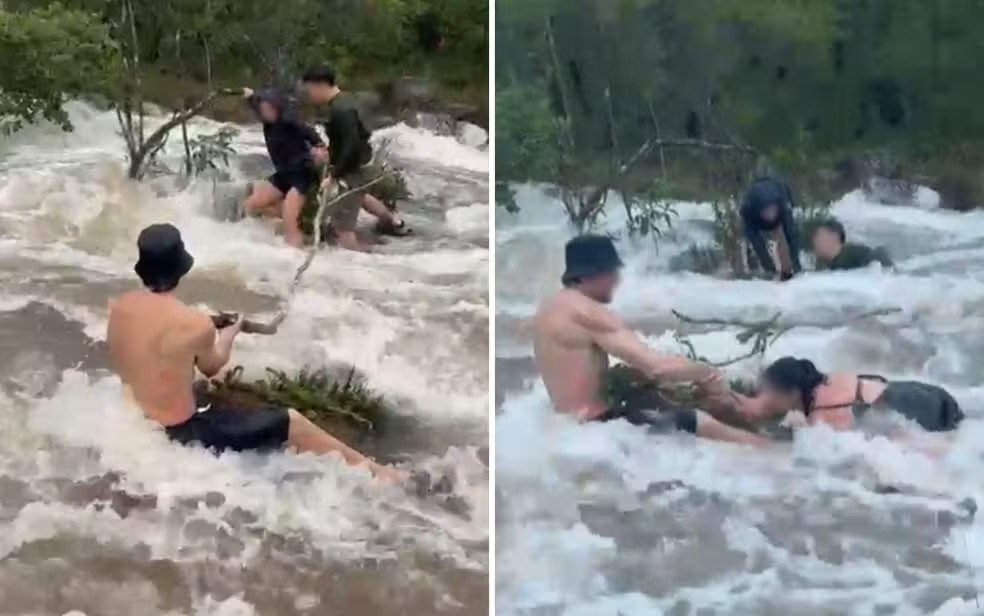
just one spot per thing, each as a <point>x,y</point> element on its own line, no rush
<point>167,311</point>
<point>593,316</point>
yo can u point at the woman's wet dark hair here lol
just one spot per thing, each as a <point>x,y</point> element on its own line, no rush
<point>789,374</point>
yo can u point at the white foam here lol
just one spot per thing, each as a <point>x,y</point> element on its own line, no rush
<point>407,142</point>
<point>65,203</point>
<point>558,560</point>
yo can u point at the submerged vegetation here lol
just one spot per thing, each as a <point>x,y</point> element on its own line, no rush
<point>332,401</point>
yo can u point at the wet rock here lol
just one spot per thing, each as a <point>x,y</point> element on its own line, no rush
<point>409,92</point>
<point>214,499</point>
<point>368,101</point>
<point>14,493</point>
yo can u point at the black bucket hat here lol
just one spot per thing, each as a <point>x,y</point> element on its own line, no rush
<point>589,255</point>
<point>163,258</point>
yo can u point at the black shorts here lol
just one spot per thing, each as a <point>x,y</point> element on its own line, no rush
<point>301,179</point>
<point>222,428</point>
<point>655,422</point>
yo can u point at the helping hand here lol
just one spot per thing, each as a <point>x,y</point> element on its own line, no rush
<point>387,474</point>
<point>326,183</point>
<point>230,331</point>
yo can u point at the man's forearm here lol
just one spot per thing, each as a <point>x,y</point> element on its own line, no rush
<point>754,237</point>
<point>791,235</point>
<point>678,369</point>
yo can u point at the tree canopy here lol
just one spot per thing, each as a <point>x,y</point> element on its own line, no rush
<point>50,54</point>
<point>806,80</point>
<point>55,51</point>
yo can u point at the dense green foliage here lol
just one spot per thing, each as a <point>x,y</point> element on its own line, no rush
<point>328,401</point>
<point>53,51</point>
<point>831,86</point>
<point>49,54</point>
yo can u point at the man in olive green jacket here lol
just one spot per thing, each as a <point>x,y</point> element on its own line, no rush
<point>835,253</point>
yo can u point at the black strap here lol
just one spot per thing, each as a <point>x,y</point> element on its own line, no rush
<point>859,400</point>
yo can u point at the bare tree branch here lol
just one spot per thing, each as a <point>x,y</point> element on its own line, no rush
<point>764,333</point>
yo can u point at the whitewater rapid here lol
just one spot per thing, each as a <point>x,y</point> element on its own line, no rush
<point>588,521</point>
<point>98,502</point>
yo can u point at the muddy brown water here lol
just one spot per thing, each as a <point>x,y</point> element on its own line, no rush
<point>104,517</point>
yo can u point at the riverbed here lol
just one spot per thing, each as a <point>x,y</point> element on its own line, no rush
<point>103,516</point>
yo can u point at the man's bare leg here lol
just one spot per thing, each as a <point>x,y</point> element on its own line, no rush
<point>378,209</point>
<point>304,436</point>
<point>710,428</point>
<point>264,200</point>
<point>350,241</point>
<point>293,204</point>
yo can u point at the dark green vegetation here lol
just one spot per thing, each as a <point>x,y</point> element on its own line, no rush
<point>697,93</point>
<point>174,53</point>
<point>336,403</point>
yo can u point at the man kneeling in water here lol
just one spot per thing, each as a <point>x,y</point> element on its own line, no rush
<point>841,400</point>
<point>156,342</point>
<point>574,333</point>
<point>834,252</point>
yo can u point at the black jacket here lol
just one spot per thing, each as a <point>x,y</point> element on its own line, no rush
<point>348,137</point>
<point>761,194</point>
<point>288,141</point>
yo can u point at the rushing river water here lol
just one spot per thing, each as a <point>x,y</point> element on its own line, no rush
<point>588,521</point>
<point>101,515</point>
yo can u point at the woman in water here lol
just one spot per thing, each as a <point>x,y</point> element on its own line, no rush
<point>842,400</point>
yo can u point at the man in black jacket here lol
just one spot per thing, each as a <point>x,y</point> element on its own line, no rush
<point>768,210</point>
<point>350,154</point>
<point>296,151</point>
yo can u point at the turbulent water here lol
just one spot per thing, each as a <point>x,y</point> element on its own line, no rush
<point>588,519</point>
<point>101,515</point>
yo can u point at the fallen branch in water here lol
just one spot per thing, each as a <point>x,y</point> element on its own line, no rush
<point>764,333</point>
<point>329,402</point>
<point>324,206</point>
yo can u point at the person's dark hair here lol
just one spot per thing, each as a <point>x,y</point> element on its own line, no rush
<point>321,74</point>
<point>160,285</point>
<point>834,226</point>
<point>789,374</point>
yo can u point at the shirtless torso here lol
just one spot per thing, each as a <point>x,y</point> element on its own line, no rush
<point>153,341</point>
<point>573,335</point>
<point>567,356</point>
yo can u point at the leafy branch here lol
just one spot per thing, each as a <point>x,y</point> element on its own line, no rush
<point>762,334</point>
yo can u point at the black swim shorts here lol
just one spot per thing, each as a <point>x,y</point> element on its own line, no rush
<point>222,428</point>
<point>655,422</point>
<point>303,180</point>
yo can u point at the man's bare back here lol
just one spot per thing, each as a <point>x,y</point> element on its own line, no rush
<point>574,333</point>
<point>569,360</point>
<point>153,340</point>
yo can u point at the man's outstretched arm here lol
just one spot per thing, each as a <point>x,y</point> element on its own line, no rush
<point>609,333</point>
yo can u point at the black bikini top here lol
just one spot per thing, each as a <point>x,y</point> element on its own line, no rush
<point>858,404</point>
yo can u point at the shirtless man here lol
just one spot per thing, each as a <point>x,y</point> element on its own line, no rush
<point>574,333</point>
<point>156,342</point>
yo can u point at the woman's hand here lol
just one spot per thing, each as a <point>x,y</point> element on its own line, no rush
<point>387,474</point>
